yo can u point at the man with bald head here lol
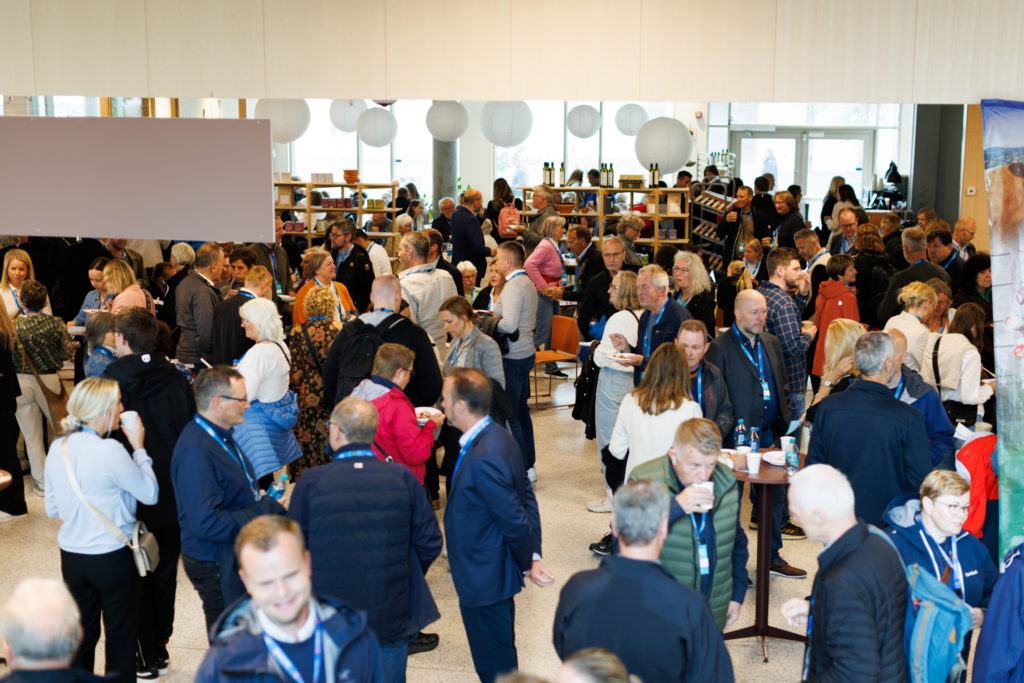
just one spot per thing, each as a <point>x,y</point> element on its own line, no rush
<point>842,241</point>
<point>909,387</point>
<point>752,364</point>
<point>467,238</point>
<point>859,600</point>
<point>386,302</point>
<point>963,233</point>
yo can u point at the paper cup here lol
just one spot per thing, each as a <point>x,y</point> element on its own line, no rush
<point>710,486</point>
<point>788,444</point>
<point>742,450</point>
<point>130,419</point>
<point>753,462</point>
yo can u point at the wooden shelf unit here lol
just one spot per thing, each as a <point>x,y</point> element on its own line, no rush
<point>705,232</point>
<point>361,210</point>
<point>602,220</point>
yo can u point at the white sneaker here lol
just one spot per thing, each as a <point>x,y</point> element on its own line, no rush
<point>531,474</point>
<point>603,505</point>
<point>37,489</point>
<point>6,516</point>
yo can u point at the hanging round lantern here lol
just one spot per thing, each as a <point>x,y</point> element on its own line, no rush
<point>506,124</point>
<point>377,127</point>
<point>385,103</point>
<point>446,120</point>
<point>345,114</point>
<point>583,121</point>
<point>289,119</point>
<point>665,142</point>
<point>630,118</point>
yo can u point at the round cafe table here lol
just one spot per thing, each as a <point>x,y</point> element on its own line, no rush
<point>768,479</point>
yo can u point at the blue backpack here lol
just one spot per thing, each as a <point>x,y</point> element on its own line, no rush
<point>937,622</point>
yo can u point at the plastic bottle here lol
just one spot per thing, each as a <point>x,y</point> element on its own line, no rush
<point>739,436</point>
<point>755,439</point>
<point>277,488</point>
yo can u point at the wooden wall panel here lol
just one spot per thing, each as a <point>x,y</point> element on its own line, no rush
<point>16,48</point>
<point>327,48</point>
<point>437,50</point>
<point>205,48</point>
<point>974,176</point>
<point>573,51</point>
<point>842,52</point>
<point>94,48</point>
<point>716,53</point>
<point>966,51</point>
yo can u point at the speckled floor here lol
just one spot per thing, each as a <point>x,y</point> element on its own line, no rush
<point>569,476</point>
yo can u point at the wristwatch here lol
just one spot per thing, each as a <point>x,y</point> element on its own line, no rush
<point>827,382</point>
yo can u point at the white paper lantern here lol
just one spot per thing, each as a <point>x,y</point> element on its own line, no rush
<point>665,142</point>
<point>377,127</point>
<point>506,124</point>
<point>289,119</point>
<point>447,121</point>
<point>583,121</point>
<point>345,114</point>
<point>630,118</point>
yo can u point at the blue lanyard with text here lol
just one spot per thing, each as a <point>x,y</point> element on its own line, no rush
<point>288,665</point>
<point>759,364</point>
<point>700,387</point>
<point>17,301</point>
<point>237,457</point>
<point>703,560</point>
<point>648,335</point>
<point>458,346</point>
<point>952,562</point>
<point>558,251</point>
<point>472,434</point>
<point>343,455</point>
<point>814,260</point>
<point>952,257</point>
<point>341,313</point>
<point>273,261</point>
<point>899,387</point>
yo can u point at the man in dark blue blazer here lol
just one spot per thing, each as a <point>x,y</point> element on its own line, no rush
<point>491,523</point>
<point>659,322</point>
<point>467,238</point>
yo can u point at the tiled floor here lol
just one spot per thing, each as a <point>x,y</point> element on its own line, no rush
<point>569,476</point>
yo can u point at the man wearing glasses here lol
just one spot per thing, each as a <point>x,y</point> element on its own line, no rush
<point>216,489</point>
<point>589,263</point>
<point>352,263</point>
<point>596,306</point>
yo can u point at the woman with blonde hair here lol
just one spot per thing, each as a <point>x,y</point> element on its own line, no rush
<point>692,287</point>
<point>943,314</point>
<point>266,435</point>
<point>119,280</point>
<point>309,343</point>
<point>322,271</point>
<point>17,270</point>
<point>838,369</point>
<point>918,301</point>
<point>648,416</point>
<point>88,475</point>
<point>737,278</point>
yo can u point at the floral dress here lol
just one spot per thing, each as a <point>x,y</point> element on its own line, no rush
<point>306,380</point>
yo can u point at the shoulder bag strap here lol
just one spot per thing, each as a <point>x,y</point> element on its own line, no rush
<point>31,366</point>
<point>102,518</point>
<point>633,313</point>
<point>312,351</point>
<point>935,360</point>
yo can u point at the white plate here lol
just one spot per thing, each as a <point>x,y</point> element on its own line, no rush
<point>424,414</point>
<point>777,458</point>
<point>726,460</point>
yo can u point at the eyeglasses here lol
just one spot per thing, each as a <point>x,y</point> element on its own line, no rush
<point>244,399</point>
<point>614,253</point>
<point>954,508</point>
<point>680,271</point>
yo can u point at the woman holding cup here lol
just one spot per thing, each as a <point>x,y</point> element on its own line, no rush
<point>87,468</point>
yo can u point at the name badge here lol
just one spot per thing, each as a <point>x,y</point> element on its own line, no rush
<point>702,558</point>
<point>765,391</point>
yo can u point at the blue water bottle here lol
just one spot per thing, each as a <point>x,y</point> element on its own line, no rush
<point>755,439</point>
<point>276,490</point>
<point>739,436</point>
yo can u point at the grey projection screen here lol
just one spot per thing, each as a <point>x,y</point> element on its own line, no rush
<point>143,178</point>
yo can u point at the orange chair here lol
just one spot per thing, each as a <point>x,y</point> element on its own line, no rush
<point>565,345</point>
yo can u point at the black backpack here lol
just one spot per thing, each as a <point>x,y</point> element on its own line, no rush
<point>355,347</point>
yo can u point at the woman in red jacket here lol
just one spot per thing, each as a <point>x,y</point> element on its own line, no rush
<point>399,434</point>
<point>836,299</point>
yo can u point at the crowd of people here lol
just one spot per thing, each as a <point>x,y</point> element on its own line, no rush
<point>207,384</point>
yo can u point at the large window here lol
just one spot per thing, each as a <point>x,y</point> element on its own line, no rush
<point>523,165</point>
<point>620,150</point>
<point>323,148</point>
<point>414,148</point>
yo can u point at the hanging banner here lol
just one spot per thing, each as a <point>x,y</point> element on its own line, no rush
<point>1003,135</point>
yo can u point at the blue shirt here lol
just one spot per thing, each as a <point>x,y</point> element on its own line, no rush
<point>110,479</point>
<point>91,301</point>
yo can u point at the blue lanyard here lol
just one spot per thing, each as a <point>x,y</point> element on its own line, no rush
<point>647,337</point>
<point>746,352</point>
<point>273,259</point>
<point>90,430</point>
<point>471,436</point>
<point>953,562</point>
<point>807,652</point>
<point>952,257</point>
<point>319,317</point>
<point>458,346</point>
<point>104,351</point>
<point>288,665</point>
<point>341,314</point>
<point>845,246</point>
<point>920,260</point>
<point>247,295</point>
<point>699,530</point>
<point>559,252</point>
<point>679,298</point>
<point>17,301</point>
<point>514,276</point>
<point>700,387</point>
<point>757,267</point>
<point>899,387</point>
<point>343,455</point>
<point>814,260</point>
<point>236,456</point>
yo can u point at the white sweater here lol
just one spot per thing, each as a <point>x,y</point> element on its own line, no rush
<point>264,367</point>
<point>624,323</point>
<point>646,436</point>
<point>915,332</point>
<point>959,367</point>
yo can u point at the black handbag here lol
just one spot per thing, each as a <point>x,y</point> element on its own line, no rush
<point>958,413</point>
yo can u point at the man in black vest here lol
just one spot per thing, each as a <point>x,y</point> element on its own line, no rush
<point>351,262</point>
<point>589,263</point>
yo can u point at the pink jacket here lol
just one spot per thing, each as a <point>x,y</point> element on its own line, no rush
<point>132,296</point>
<point>399,435</point>
<point>544,266</point>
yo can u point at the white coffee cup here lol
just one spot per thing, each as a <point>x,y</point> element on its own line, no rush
<point>742,450</point>
<point>130,420</point>
<point>710,486</point>
<point>753,462</point>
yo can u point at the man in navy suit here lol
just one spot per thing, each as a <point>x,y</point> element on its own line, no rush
<point>491,523</point>
<point>467,239</point>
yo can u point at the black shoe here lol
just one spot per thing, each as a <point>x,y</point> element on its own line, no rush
<point>424,642</point>
<point>791,532</point>
<point>555,372</point>
<point>162,661</point>
<point>602,547</point>
<point>750,582</point>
